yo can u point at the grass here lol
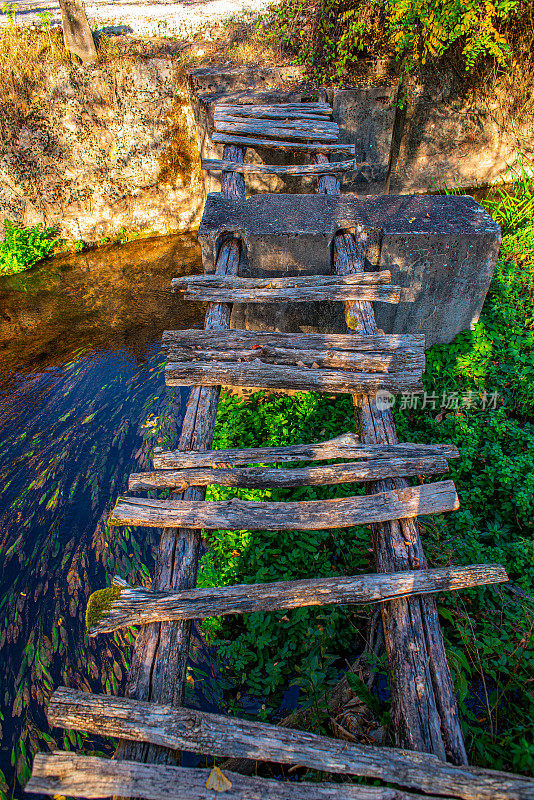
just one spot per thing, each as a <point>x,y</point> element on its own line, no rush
<point>481,387</point>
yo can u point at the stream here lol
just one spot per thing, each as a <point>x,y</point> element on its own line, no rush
<point>82,404</point>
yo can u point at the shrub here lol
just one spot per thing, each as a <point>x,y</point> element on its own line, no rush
<point>22,247</point>
<point>329,36</point>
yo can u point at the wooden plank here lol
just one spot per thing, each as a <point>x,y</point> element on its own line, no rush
<point>289,134</point>
<point>69,774</point>
<point>253,291</point>
<point>263,477</point>
<point>257,374</point>
<point>217,735</point>
<point>253,110</point>
<point>345,446</point>
<point>383,276</point>
<point>424,708</point>
<point>300,123</point>
<point>212,164</point>
<point>295,110</point>
<point>254,142</point>
<point>236,339</point>
<point>244,113</point>
<point>235,514</point>
<point>141,606</point>
<point>337,359</point>
<point>263,127</point>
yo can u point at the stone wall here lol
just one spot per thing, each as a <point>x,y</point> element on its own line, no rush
<point>105,147</point>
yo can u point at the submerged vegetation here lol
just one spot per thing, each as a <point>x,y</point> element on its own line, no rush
<point>480,396</point>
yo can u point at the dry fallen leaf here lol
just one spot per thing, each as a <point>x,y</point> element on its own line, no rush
<point>217,781</point>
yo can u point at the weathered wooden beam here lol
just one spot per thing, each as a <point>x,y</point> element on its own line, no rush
<point>234,339</point>
<point>141,606</point>
<point>345,446</point>
<point>199,732</point>
<point>322,130</point>
<point>285,117</point>
<point>68,774</point>
<point>320,123</point>
<point>214,164</point>
<point>424,708</point>
<point>289,134</point>
<point>280,376</point>
<point>289,282</point>
<point>252,110</point>
<point>336,359</point>
<point>161,650</point>
<point>263,477</point>
<point>254,142</point>
<point>236,514</point>
<point>307,289</point>
<point>293,110</point>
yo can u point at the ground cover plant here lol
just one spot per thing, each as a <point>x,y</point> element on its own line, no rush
<point>23,246</point>
<point>478,395</point>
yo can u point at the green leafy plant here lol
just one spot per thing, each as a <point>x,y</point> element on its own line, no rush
<point>330,36</point>
<point>488,631</point>
<point>22,246</point>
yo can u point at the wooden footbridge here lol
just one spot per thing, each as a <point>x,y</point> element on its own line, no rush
<point>151,723</point>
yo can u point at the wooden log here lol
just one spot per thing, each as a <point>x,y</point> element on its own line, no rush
<point>280,376</point>
<point>290,282</point>
<point>141,606</point>
<point>245,141</point>
<point>322,130</point>
<point>285,117</point>
<point>289,134</point>
<point>200,732</point>
<point>289,110</point>
<point>306,294</point>
<point>252,110</point>
<point>336,359</point>
<point>68,774</point>
<point>235,514</point>
<point>345,446</point>
<point>213,164</point>
<point>263,477</point>
<point>161,650</point>
<point>235,339</point>
<point>299,123</point>
<point>424,707</point>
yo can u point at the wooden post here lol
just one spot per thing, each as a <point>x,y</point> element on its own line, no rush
<point>77,34</point>
<point>159,659</point>
<point>424,708</point>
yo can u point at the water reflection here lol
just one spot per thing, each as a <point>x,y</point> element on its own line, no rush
<point>82,403</point>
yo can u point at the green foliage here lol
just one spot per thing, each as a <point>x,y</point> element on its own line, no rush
<point>330,36</point>
<point>22,247</point>
<point>488,631</point>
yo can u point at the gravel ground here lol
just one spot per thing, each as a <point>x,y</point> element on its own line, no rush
<point>161,18</point>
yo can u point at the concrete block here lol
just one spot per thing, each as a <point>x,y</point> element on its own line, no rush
<point>366,115</point>
<point>441,250</point>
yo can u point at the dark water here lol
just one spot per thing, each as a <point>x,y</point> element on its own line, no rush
<point>82,403</point>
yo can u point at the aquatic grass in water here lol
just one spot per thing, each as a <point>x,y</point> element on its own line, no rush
<point>82,404</point>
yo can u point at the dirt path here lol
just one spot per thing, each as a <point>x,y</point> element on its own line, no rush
<point>142,18</point>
